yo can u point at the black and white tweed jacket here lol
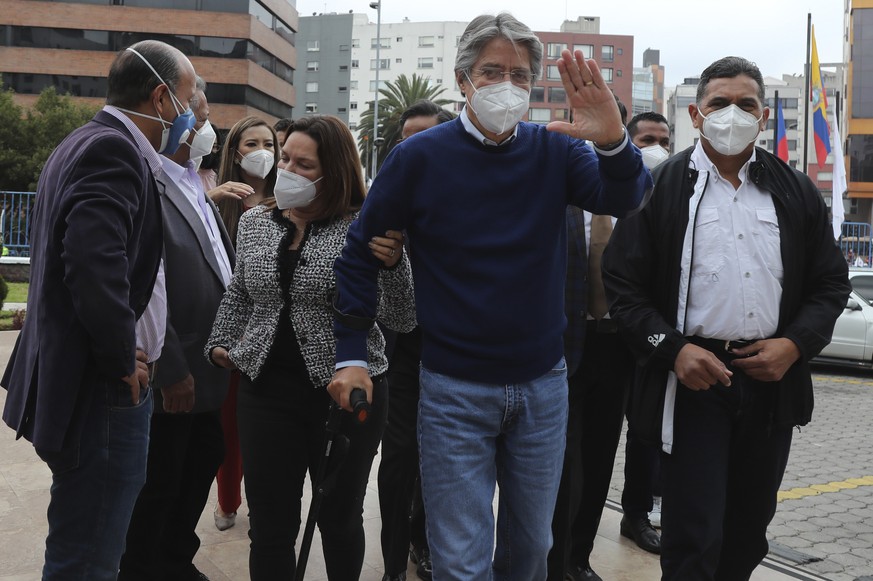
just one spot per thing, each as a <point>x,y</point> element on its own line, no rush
<point>248,316</point>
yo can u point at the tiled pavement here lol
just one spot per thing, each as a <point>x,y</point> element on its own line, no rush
<point>25,481</point>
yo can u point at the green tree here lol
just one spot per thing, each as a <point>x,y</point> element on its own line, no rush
<point>50,120</point>
<point>28,137</point>
<point>394,99</point>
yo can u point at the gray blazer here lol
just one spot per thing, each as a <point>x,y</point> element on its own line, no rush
<point>194,291</point>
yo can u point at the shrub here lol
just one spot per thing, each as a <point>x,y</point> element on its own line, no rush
<point>18,319</point>
<point>4,291</point>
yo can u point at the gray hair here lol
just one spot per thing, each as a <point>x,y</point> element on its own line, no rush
<point>199,85</point>
<point>131,81</point>
<point>728,68</point>
<point>485,28</point>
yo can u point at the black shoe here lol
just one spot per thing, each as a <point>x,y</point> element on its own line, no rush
<point>583,573</point>
<point>401,577</point>
<point>421,558</point>
<point>199,575</point>
<point>641,531</point>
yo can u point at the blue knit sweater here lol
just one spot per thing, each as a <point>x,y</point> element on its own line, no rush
<point>487,234</point>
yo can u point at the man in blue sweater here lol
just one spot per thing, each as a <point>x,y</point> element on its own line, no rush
<point>483,201</point>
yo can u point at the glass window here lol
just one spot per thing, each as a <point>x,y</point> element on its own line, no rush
<point>587,49</point>
<point>424,41</point>
<point>312,87</point>
<point>607,74</point>
<point>619,51</point>
<point>354,85</point>
<point>862,65</point>
<point>863,285</point>
<point>259,11</point>
<point>540,115</point>
<point>382,85</point>
<point>311,108</point>
<point>236,6</point>
<point>343,89</point>
<point>399,39</point>
<point>606,53</point>
<point>340,109</point>
<point>557,95</point>
<point>354,64</point>
<point>562,114</point>
<point>180,4</point>
<point>425,62</point>
<point>382,64</point>
<point>312,66</point>
<point>386,42</point>
<point>860,152</point>
<point>353,106</point>
<point>353,126</point>
<point>552,73</point>
<point>555,48</point>
<point>78,86</point>
<point>344,47</point>
<point>825,176</point>
<point>356,43</point>
<point>344,67</point>
<point>537,94</point>
<point>617,72</point>
<point>222,47</point>
<point>312,46</point>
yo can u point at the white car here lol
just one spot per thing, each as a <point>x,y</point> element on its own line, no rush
<point>852,342</point>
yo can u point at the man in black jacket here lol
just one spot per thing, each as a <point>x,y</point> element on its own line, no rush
<point>724,287</point>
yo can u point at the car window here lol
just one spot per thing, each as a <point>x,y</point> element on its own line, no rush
<point>863,285</point>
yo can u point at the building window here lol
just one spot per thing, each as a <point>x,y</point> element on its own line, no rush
<point>606,53</point>
<point>562,114</point>
<point>617,72</point>
<point>353,85</point>
<point>557,95</point>
<point>439,81</point>
<point>344,48</point>
<point>540,115</point>
<point>587,49</point>
<point>353,105</point>
<point>312,107</point>
<point>356,43</point>
<point>619,51</point>
<point>344,67</point>
<point>555,49</point>
<point>382,85</point>
<point>439,59</point>
<point>860,152</point>
<point>398,60</point>
<point>312,66</point>
<point>354,64</point>
<point>825,176</point>
<point>341,110</point>
<point>343,89</point>
<point>537,94</point>
<point>425,62</point>
<point>399,39</point>
<point>552,73</point>
<point>353,126</point>
<point>311,87</point>
<point>312,46</point>
<point>607,74</point>
<point>425,41</point>
<point>381,64</point>
<point>386,43</point>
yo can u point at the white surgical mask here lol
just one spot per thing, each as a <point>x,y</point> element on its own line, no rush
<point>293,190</point>
<point>203,141</point>
<point>499,107</point>
<point>195,163</point>
<point>730,130</point>
<point>257,163</point>
<point>653,155</point>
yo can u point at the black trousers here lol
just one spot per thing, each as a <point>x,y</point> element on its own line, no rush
<point>185,451</point>
<point>281,427</point>
<point>596,398</point>
<point>720,481</point>
<point>400,505</point>
<point>642,472</point>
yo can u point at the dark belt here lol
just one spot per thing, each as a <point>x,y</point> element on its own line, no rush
<point>603,325</point>
<point>719,345</point>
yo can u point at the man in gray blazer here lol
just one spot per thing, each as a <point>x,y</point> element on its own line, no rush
<point>186,445</point>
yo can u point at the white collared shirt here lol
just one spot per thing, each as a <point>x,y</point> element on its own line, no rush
<point>736,269</point>
<point>151,327</point>
<point>191,185</point>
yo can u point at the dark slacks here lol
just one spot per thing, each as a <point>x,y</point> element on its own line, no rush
<point>642,471</point>
<point>597,395</point>
<point>281,427</point>
<point>185,451</point>
<point>721,480</point>
<point>400,503</point>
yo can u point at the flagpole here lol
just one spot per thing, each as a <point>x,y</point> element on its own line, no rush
<point>776,126</point>
<point>808,90</point>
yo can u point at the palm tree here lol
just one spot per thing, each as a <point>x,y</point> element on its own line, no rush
<point>394,99</point>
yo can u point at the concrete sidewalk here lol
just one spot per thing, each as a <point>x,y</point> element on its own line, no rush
<point>24,496</point>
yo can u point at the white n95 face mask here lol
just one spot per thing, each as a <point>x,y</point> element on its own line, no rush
<point>257,163</point>
<point>654,155</point>
<point>293,190</point>
<point>730,129</point>
<point>499,107</point>
<point>203,141</point>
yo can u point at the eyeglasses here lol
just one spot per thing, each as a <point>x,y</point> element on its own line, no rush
<point>495,74</point>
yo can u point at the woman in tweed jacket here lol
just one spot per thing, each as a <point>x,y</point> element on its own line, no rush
<point>275,324</point>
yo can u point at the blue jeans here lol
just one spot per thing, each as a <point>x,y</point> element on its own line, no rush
<point>473,436</point>
<point>95,486</point>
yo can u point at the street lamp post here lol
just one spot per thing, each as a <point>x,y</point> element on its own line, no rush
<point>378,7</point>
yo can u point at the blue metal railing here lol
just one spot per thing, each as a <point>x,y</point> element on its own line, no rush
<point>15,208</point>
<point>855,236</point>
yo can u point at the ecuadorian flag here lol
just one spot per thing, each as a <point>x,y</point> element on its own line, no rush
<point>821,130</point>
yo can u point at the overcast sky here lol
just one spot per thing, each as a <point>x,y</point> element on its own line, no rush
<point>689,33</point>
